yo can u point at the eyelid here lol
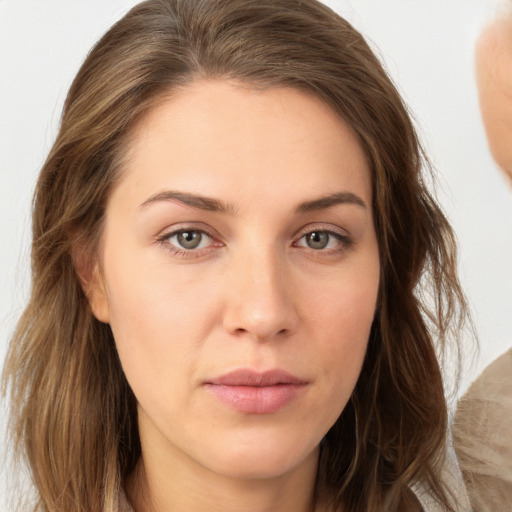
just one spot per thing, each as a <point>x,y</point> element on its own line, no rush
<point>345,239</point>
<point>165,235</point>
<point>186,226</point>
<point>326,228</point>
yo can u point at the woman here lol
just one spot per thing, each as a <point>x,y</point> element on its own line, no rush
<point>229,235</point>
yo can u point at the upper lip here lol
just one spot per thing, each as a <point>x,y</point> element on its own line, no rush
<point>250,377</point>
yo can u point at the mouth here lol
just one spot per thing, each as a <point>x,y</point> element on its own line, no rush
<point>251,392</point>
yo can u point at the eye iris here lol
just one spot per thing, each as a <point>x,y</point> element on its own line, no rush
<point>317,240</point>
<point>189,239</point>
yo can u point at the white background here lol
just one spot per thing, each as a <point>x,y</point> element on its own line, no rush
<point>428,49</point>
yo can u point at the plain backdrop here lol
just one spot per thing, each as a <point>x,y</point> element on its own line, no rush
<point>427,47</point>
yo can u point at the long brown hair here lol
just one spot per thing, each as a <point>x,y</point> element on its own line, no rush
<point>73,413</point>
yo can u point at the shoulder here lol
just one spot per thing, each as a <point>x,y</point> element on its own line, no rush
<point>484,411</point>
<point>490,393</point>
<point>482,437</point>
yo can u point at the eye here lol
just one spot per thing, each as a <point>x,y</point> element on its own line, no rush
<point>317,239</point>
<point>188,239</point>
<point>322,239</point>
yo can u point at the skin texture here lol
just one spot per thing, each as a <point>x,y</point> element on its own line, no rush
<point>494,79</point>
<point>253,294</point>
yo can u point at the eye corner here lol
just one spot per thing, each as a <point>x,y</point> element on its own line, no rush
<point>324,240</point>
<point>187,241</point>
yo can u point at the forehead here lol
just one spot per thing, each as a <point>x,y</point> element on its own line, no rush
<point>219,137</point>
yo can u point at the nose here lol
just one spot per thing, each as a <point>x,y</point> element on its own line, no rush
<point>260,305</point>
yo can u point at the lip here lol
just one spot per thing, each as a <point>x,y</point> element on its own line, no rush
<point>252,392</point>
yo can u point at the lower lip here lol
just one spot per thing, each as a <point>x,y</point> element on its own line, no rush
<point>256,400</point>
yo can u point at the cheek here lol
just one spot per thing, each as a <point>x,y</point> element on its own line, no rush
<point>158,319</point>
<point>344,303</point>
<point>342,317</point>
<point>346,334</point>
<point>149,298</point>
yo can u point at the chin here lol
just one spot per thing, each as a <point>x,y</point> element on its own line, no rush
<point>261,459</point>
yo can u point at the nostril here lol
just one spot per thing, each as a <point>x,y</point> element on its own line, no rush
<point>260,336</point>
<point>267,309</point>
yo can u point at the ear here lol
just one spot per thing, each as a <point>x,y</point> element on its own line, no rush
<point>97,295</point>
<point>92,283</point>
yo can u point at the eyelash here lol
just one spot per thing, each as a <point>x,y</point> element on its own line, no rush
<point>345,242</point>
<point>164,240</point>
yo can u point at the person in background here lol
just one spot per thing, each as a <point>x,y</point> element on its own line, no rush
<point>481,429</point>
<point>494,79</point>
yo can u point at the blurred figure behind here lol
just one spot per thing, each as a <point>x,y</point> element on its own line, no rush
<point>481,430</point>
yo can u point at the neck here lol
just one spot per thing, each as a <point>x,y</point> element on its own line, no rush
<point>183,486</point>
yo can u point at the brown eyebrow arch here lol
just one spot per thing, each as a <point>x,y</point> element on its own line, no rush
<point>330,200</point>
<point>217,206</point>
<point>194,200</point>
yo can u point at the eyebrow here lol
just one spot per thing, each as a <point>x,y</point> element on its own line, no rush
<point>330,200</point>
<point>196,201</point>
<point>217,206</point>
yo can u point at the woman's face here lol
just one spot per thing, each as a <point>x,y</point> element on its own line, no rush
<point>239,272</point>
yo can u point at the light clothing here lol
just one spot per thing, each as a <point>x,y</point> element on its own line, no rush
<point>452,478</point>
<point>124,505</point>
<point>482,432</point>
